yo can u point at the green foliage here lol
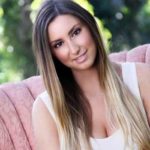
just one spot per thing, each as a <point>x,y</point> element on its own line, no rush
<point>16,40</point>
<point>127,20</point>
<point>6,72</point>
<point>143,19</point>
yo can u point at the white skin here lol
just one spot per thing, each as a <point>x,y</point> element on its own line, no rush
<point>73,45</point>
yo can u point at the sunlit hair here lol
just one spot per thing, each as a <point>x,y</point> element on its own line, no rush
<point>69,103</point>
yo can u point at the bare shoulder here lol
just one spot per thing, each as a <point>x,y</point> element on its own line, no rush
<point>143,75</point>
<point>44,127</point>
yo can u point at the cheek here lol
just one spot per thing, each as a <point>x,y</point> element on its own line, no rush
<point>61,55</point>
<point>86,40</point>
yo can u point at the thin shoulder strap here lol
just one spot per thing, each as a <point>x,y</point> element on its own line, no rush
<point>130,78</point>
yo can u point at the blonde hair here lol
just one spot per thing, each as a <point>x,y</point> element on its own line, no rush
<point>127,111</point>
<point>69,104</point>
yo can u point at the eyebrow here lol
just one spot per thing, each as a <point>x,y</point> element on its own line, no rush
<point>72,29</point>
<point>69,33</point>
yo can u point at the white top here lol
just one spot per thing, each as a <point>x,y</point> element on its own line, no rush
<point>116,140</point>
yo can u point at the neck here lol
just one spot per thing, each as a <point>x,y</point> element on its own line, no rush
<point>88,81</point>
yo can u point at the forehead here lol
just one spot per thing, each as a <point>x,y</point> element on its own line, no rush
<point>61,25</point>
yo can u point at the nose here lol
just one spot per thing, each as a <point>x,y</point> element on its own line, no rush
<point>73,47</point>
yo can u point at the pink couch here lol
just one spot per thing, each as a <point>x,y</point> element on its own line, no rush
<point>16,101</point>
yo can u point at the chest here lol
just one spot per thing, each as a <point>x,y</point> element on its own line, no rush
<point>100,123</point>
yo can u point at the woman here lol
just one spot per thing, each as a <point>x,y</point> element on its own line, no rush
<point>86,105</point>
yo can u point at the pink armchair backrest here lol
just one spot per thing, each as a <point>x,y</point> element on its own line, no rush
<point>16,101</point>
<point>137,54</point>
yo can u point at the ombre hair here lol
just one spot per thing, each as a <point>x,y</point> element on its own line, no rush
<point>71,108</point>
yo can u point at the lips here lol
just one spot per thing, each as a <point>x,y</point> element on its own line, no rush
<point>81,58</point>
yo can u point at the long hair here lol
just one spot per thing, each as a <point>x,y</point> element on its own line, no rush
<point>69,103</point>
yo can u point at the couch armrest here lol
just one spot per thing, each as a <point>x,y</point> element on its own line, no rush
<point>16,101</point>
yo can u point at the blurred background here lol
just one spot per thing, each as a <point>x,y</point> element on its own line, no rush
<point>124,24</point>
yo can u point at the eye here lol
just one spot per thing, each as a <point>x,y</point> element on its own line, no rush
<point>57,44</point>
<point>76,32</point>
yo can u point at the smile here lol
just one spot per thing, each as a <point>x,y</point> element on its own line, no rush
<point>81,58</point>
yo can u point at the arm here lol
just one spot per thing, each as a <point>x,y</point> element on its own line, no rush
<point>143,74</point>
<point>44,127</point>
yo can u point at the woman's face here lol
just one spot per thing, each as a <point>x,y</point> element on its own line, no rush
<point>72,43</point>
